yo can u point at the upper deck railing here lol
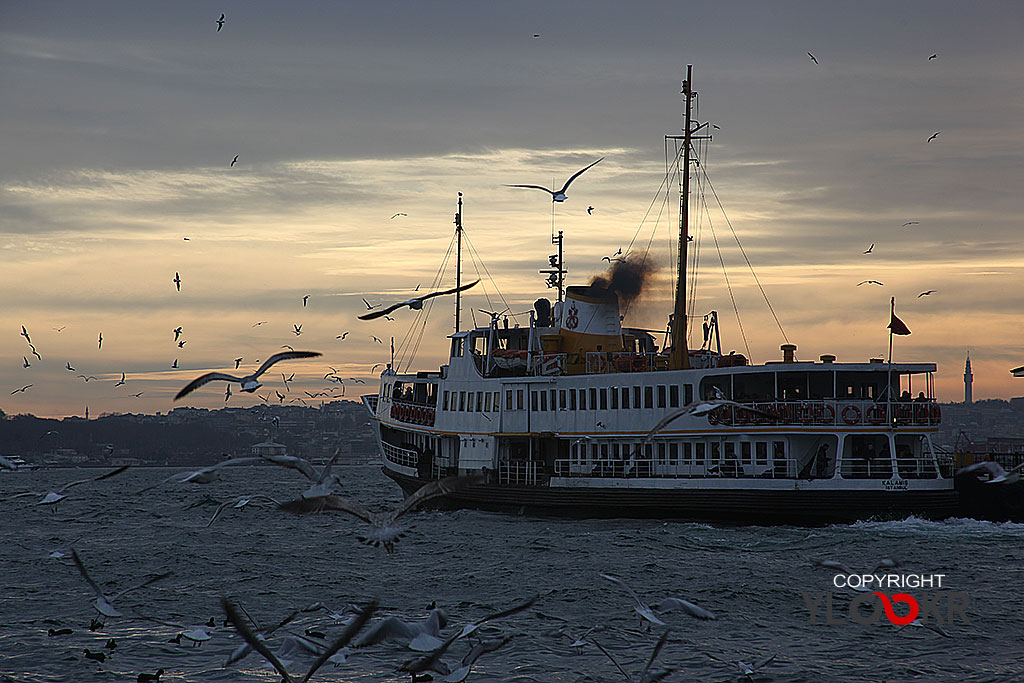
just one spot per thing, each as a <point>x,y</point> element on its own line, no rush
<point>829,412</point>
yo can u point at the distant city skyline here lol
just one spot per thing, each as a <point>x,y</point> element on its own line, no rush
<point>304,158</point>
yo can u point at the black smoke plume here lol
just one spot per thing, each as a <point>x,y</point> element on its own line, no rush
<point>626,278</point>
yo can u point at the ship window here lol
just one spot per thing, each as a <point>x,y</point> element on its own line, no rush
<point>572,399</point>
<point>636,397</point>
<point>700,447</point>
<point>444,404</point>
<point>778,450</point>
<point>520,399</point>
<point>761,449</point>
<point>583,399</point>
<point>543,400</point>
<point>562,402</point>
<point>673,453</point>
<point>661,452</point>
<point>457,346</point>
<point>649,452</point>
<point>730,451</point>
<point>604,451</point>
<point>487,402</point>
<point>673,396</point>
<point>508,399</point>
<point>593,399</point>
<point>625,398</point>
<point>648,397</point>
<point>604,399</point>
<point>716,452</point>
<point>462,400</point>
<point>533,401</point>
<point>687,453</point>
<point>661,396</point>
<point>497,401</point>
<point>687,394</point>
<point>554,399</point>
<point>614,398</point>
<point>480,401</point>
<point>745,452</point>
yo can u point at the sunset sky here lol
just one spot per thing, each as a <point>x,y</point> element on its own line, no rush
<point>119,122</point>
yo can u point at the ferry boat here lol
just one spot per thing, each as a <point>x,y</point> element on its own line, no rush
<point>569,415</point>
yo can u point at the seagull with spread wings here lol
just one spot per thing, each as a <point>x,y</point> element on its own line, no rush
<point>870,282</point>
<point>559,195</point>
<point>54,497</point>
<point>103,604</point>
<point>249,383</point>
<point>384,527</point>
<point>415,304</point>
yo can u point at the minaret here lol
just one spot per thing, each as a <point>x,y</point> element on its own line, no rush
<point>968,379</point>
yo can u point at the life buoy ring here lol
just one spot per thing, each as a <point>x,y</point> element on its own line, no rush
<point>851,414</point>
<point>936,413</point>
<point>876,414</point>
<point>831,414</point>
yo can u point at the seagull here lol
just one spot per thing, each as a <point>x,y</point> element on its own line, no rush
<point>243,650</point>
<point>177,280</point>
<point>34,352</point>
<point>428,662</point>
<point>421,636</point>
<point>203,476</point>
<point>249,382</point>
<point>24,333</point>
<point>934,135</point>
<point>227,392</point>
<point>22,390</point>
<point>87,378</point>
<point>812,58</point>
<point>285,346</point>
<point>745,669</point>
<point>930,291</point>
<point>25,362</point>
<point>376,339</point>
<point>177,332</point>
<point>416,303</point>
<point>699,409</point>
<point>471,628</point>
<point>480,649</point>
<point>870,282</point>
<point>870,249</point>
<point>368,306</point>
<point>384,528</point>
<point>398,214</point>
<point>609,259</point>
<point>261,322</point>
<point>994,471</point>
<point>138,394</point>
<point>121,381</point>
<point>666,605</point>
<point>590,210</point>
<point>342,336</point>
<point>68,366</point>
<point>298,329</point>
<point>646,675</point>
<point>559,195</point>
<point>220,25</point>
<point>304,300</point>
<point>280,396</point>
<point>376,366</point>
<point>150,678</point>
<point>60,329</point>
<point>175,363</point>
<point>235,160</point>
<point>100,341</point>
<point>103,604</point>
<point>933,57</point>
<point>256,643</point>
<point>238,361</point>
<point>931,627</point>
<point>910,223</point>
<point>182,343</point>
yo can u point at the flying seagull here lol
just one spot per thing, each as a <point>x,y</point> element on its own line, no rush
<point>870,249</point>
<point>220,24</point>
<point>590,210</point>
<point>559,196</point>
<point>234,161</point>
<point>812,58</point>
<point>24,333</point>
<point>870,282</point>
<point>415,304</point>
<point>121,381</point>
<point>54,497</point>
<point>298,329</point>
<point>647,675</point>
<point>103,604</point>
<point>34,352</point>
<point>257,324</point>
<point>175,363</point>
<point>304,299</point>
<point>368,306</point>
<point>101,341</point>
<point>933,57</point>
<point>910,223</point>
<point>399,214</point>
<point>205,475</point>
<point>22,390</point>
<point>342,336</point>
<point>177,332</point>
<point>68,366</point>
<point>249,382</point>
<point>25,362</point>
<point>934,135</point>
<point>930,291</point>
<point>384,528</point>
<point>177,280</point>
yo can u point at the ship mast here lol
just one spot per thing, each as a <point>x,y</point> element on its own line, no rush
<point>458,264</point>
<point>680,357</point>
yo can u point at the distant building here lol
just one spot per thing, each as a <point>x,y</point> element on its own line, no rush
<point>968,380</point>
<point>269,448</point>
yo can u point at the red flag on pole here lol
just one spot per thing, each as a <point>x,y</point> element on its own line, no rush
<point>896,325</point>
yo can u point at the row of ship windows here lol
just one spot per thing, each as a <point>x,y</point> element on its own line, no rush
<point>685,452</point>
<point>614,398</point>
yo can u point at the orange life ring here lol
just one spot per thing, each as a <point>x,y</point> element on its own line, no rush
<point>876,414</point>
<point>851,414</point>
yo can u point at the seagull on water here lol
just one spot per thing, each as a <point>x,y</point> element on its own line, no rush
<point>249,383</point>
<point>416,303</point>
<point>256,643</point>
<point>559,195</point>
<point>54,497</point>
<point>104,604</point>
<point>384,527</point>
